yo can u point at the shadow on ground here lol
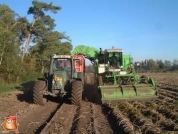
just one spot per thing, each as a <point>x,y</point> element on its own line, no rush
<point>92,94</point>
<point>27,94</point>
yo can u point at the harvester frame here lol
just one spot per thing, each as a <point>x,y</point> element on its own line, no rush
<point>115,75</point>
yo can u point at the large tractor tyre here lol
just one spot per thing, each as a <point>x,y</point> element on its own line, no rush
<point>38,89</point>
<point>77,88</point>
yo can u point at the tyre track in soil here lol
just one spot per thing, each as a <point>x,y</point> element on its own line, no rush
<point>101,122</point>
<point>86,119</point>
<point>35,120</point>
<point>61,122</point>
<point>83,123</point>
<point>15,104</point>
<point>31,117</point>
<point>91,120</point>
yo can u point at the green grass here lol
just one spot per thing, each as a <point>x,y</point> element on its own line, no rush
<point>6,89</point>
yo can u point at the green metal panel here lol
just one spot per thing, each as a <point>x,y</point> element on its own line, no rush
<point>116,92</point>
<point>126,61</point>
<point>136,90</point>
<point>88,52</point>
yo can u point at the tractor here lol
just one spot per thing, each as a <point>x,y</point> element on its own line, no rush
<point>64,79</point>
<point>116,77</point>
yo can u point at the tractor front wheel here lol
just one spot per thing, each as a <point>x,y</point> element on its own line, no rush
<point>77,88</point>
<point>38,89</point>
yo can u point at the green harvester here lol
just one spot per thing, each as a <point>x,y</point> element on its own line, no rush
<point>116,77</point>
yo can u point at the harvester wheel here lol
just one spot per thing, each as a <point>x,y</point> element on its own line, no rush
<point>77,88</point>
<point>38,89</point>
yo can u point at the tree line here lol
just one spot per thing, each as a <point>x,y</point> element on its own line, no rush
<point>19,61</point>
<point>156,66</point>
<point>150,65</point>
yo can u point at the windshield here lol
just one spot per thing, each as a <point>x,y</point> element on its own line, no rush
<point>62,64</point>
<point>114,59</point>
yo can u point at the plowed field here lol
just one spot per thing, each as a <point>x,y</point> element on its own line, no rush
<point>148,117</point>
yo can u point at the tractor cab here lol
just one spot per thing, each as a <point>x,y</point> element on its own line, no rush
<point>60,64</point>
<point>110,60</point>
<point>60,72</point>
<point>113,58</point>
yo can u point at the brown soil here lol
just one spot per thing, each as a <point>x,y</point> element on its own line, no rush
<point>91,92</point>
<point>59,124</point>
<point>31,117</point>
<point>158,116</point>
<point>86,119</point>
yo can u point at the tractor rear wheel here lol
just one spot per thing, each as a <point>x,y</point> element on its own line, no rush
<point>77,88</point>
<point>38,89</point>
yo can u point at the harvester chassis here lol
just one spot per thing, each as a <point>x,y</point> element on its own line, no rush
<point>128,85</point>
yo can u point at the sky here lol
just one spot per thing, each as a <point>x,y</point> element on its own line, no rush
<point>146,29</point>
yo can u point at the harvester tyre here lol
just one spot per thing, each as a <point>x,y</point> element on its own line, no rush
<point>77,88</point>
<point>38,96</point>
